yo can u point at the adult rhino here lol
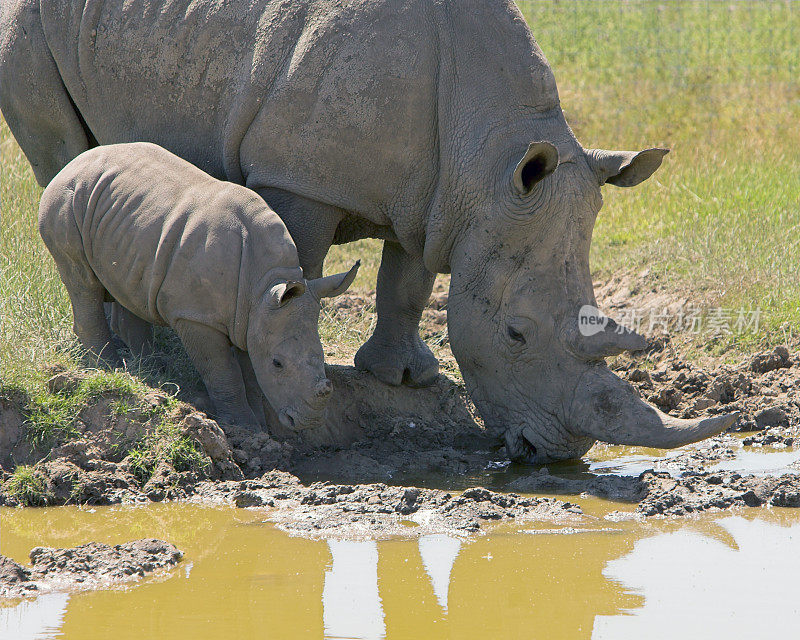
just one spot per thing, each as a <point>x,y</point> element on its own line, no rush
<point>432,124</point>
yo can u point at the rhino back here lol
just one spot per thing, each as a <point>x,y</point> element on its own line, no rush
<point>351,119</point>
<point>162,71</point>
<point>332,100</point>
<point>164,238</point>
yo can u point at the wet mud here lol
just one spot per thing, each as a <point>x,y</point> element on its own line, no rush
<point>89,566</point>
<point>377,510</point>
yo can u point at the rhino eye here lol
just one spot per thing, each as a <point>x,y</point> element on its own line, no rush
<point>277,363</point>
<point>515,335</point>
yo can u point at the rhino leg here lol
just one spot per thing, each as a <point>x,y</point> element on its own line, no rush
<point>86,294</point>
<point>42,117</point>
<point>210,352</point>
<point>311,224</point>
<point>395,353</point>
<point>255,397</point>
<point>134,331</point>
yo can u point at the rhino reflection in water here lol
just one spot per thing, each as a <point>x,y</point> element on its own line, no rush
<point>352,606</point>
<point>433,125</point>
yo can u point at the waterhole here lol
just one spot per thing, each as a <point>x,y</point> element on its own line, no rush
<point>243,578</point>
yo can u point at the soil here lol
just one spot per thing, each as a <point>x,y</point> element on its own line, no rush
<point>375,510</point>
<point>89,566</point>
<point>350,476</point>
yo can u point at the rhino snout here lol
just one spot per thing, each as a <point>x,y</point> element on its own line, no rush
<point>292,419</point>
<point>308,413</point>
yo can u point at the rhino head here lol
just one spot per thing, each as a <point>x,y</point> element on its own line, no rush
<point>284,346</point>
<point>522,317</point>
<point>512,218</point>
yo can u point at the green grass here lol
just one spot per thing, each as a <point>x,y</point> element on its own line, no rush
<point>717,82</point>
<point>51,417</point>
<point>27,488</point>
<point>36,322</point>
<point>165,444</point>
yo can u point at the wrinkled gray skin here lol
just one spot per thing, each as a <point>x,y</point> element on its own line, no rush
<point>173,246</point>
<point>407,120</point>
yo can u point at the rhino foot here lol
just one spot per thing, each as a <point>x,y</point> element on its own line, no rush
<point>408,361</point>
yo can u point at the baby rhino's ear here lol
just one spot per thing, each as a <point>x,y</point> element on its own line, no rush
<point>331,286</point>
<point>282,292</point>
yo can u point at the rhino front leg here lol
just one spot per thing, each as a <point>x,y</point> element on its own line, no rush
<point>395,353</point>
<point>311,224</point>
<point>255,397</point>
<point>211,353</point>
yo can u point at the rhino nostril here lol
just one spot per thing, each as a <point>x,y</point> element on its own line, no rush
<point>324,388</point>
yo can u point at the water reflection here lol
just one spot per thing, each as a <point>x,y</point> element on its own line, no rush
<point>631,465</point>
<point>351,604</point>
<point>762,463</point>
<point>38,619</point>
<point>351,601</point>
<point>438,555</point>
<point>739,585</point>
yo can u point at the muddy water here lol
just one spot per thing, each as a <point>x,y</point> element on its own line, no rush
<point>242,578</point>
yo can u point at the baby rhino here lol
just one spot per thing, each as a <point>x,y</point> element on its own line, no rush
<point>135,224</point>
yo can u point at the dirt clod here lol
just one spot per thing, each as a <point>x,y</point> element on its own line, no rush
<point>89,566</point>
<point>778,358</point>
<point>693,493</point>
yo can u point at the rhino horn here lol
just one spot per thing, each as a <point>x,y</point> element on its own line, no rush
<point>609,409</point>
<point>612,340</point>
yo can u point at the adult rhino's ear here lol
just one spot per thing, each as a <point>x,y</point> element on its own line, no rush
<point>625,168</point>
<point>331,286</point>
<point>280,293</point>
<point>539,161</point>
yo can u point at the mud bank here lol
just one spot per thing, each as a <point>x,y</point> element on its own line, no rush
<point>89,566</point>
<point>347,476</point>
<point>659,493</point>
<point>375,510</point>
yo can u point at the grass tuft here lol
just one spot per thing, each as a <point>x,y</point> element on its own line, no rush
<point>167,444</point>
<point>52,417</point>
<point>28,488</point>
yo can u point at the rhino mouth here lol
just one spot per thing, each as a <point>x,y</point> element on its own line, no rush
<point>601,407</point>
<point>301,418</point>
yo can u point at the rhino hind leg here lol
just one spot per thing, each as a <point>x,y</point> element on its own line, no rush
<point>133,330</point>
<point>87,294</point>
<point>395,353</point>
<point>34,101</point>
